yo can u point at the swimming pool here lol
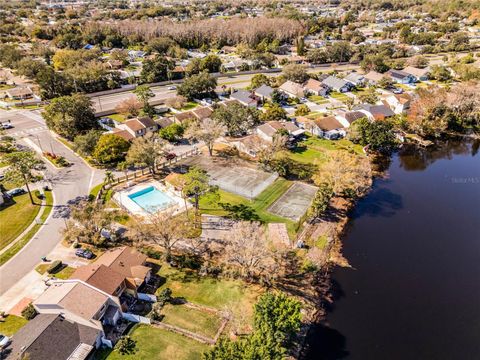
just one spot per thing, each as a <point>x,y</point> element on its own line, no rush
<point>151,199</point>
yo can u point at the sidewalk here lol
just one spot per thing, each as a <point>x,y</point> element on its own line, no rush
<point>30,287</point>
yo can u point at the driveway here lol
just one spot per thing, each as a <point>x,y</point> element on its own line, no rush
<point>67,184</point>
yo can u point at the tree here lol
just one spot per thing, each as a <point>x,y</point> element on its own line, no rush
<point>144,93</point>
<point>237,118</point>
<point>156,69</point>
<point>53,84</point>
<point>247,249</point>
<point>172,132</point>
<point>131,107</point>
<point>110,148</point>
<point>302,110</point>
<point>29,312</point>
<point>196,184</point>
<point>22,164</point>
<point>321,200</point>
<point>278,96</point>
<point>162,228</point>
<point>126,345</point>
<point>418,61</point>
<point>146,150</point>
<point>368,96</point>
<point>374,62</point>
<point>386,82</point>
<point>211,63</point>
<point>85,144</point>
<point>274,113</point>
<point>295,72</point>
<point>197,86</point>
<point>259,80</point>
<point>70,116</point>
<point>378,135</point>
<point>440,73</point>
<point>206,130</point>
<point>427,112</point>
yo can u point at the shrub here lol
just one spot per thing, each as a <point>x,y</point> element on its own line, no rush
<point>54,267</point>
<point>29,312</point>
<point>164,296</point>
<point>126,345</point>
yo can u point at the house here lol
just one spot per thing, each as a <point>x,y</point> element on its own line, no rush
<point>139,126</point>
<point>375,112</point>
<point>268,130</point>
<point>419,74</point>
<point>399,103</point>
<point>246,98</point>
<point>54,336</point>
<point>115,64</point>
<point>346,118</point>
<point>202,113</point>
<point>373,77</point>
<point>327,127</point>
<point>315,87</point>
<point>337,84</point>
<point>19,93</point>
<point>101,277</point>
<point>355,78</point>
<point>184,117</point>
<point>80,302</point>
<point>250,144</point>
<point>126,135</point>
<point>163,122</point>
<point>292,89</point>
<point>264,92</point>
<point>128,262</point>
<point>401,77</point>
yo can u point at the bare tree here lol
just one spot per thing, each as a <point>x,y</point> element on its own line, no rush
<point>207,131</point>
<point>162,228</point>
<point>176,102</point>
<point>130,107</point>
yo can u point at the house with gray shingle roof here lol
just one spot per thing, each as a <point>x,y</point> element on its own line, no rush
<point>264,92</point>
<point>337,84</point>
<point>246,98</point>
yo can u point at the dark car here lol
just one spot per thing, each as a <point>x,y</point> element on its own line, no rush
<point>84,253</point>
<point>170,156</point>
<point>16,191</point>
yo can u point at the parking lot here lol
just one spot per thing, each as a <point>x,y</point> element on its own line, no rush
<point>294,203</point>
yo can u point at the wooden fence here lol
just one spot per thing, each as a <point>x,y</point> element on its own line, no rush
<point>144,171</point>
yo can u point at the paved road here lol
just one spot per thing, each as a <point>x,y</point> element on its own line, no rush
<point>67,183</point>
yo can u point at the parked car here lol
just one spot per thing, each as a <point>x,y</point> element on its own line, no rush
<point>170,156</point>
<point>84,253</point>
<point>4,341</point>
<point>16,191</point>
<point>173,87</point>
<point>7,125</point>
<point>396,90</point>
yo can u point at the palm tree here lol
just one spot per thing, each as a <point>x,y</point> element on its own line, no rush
<point>109,178</point>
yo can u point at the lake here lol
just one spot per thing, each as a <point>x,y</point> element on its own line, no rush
<point>413,242</point>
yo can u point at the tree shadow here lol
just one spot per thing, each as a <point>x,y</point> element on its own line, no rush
<point>380,202</point>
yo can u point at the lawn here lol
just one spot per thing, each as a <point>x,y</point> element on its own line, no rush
<point>211,292</point>
<point>317,99</point>
<point>118,117</point>
<point>16,218</point>
<point>194,320</point>
<point>63,274</point>
<point>260,204</point>
<point>12,324</point>
<point>189,106</point>
<point>159,344</point>
<point>338,96</point>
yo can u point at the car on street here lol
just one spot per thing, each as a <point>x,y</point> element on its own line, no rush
<point>173,87</point>
<point>7,125</point>
<point>4,341</point>
<point>16,191</point>
<point>84,253</point>
<point>170,156</point>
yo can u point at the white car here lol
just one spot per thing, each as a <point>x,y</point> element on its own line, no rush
<point>4,341</point>
<point>7,125</point>
<point>172,88</point>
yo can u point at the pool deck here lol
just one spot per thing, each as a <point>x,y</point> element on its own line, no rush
<point>123,199</point>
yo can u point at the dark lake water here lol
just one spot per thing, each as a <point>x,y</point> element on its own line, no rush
<point>413,291</point>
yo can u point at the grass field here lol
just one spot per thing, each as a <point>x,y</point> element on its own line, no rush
<point>159,344</point>
<point>63,274</point>
<point>211,292</point>
<point>260,204</point>
<point>12,324</point>
<point>118,117</point>
<point>317,99</point>
<point>194,320</point>
<point>16,218</point>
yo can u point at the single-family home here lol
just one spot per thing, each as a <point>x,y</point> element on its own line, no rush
<point>292,89</point>
<point>264,92</point>
<point>399,103</point>
<point>250,144</point>
<point>139,126</point>
<point>400,76</point>
<point>81,302</point>
<point>315,87</point>
<point>102,277</point>
<point>327,127</point>
<point>420,74</point>
<point>54,336</point>
<point>246,98</point>
<point>346,118</point>
<point>164,121</point>
<point>268,130</point>
<point>337,84</point>
<point>126,135</point>
<point>375,112</point>
<point>203,112</point>
<point>184,117</point>
<point>373,77</point>
<point>355,78</point>
<point>128,262</point>
<point>19,93</point>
